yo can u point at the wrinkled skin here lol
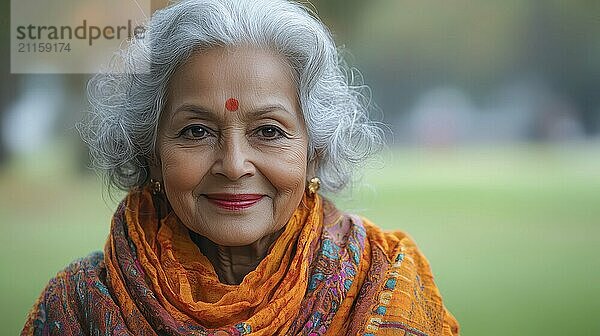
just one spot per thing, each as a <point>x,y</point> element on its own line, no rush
<point>204,149</point>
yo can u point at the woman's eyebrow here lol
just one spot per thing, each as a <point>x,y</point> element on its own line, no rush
<point>205,112</point>
<point>201,111</point>
<point>269,108</point>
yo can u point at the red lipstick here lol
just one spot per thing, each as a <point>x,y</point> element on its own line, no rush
<point>234,201</point>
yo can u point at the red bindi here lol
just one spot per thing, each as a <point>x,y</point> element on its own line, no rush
<point>232,104</point>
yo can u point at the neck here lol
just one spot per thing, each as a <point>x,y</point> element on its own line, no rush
<point>233,263</point>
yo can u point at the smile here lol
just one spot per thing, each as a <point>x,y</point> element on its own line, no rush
<point>234,201</point>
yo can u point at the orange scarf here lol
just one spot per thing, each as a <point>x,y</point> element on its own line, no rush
<point>327,273</point>
<point>186,285</point>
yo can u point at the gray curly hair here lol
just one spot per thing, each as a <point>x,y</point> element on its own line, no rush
<point>125,108</point>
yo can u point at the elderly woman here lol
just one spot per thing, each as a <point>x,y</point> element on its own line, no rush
<point>245,112</point>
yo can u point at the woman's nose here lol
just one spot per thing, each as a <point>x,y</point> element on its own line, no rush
<point>234,158</point>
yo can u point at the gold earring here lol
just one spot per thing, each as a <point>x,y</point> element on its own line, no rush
<point>313,185</point>
<point>155,186</point>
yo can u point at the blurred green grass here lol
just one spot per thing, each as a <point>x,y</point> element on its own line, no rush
<point>512,233</point>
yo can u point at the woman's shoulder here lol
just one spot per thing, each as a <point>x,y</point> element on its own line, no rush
<point>407,271</point>
<point>392,242</point>
<point>72,287</point>
<point>341,223</point>
<point>401,254</point>
<point>90,263</point>
<point>90,266</point>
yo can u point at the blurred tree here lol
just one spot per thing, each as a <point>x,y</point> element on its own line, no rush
<point>408,47</point>
<point>339,15</point>
<point>564,48</point>
<point>8,82</point>
<point>411,46</point>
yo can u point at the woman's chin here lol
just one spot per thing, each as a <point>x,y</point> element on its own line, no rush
<point>235,238</point>
<point>233,241</point>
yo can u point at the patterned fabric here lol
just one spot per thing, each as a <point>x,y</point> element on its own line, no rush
<point>328,273</point>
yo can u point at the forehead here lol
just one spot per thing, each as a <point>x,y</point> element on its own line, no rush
<point>246,74</point>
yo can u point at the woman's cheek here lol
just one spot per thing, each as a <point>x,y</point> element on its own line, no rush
<point>181,169</point>
<point>286,170</point>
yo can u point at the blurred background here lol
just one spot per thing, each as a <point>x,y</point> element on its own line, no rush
<point>492,165</point>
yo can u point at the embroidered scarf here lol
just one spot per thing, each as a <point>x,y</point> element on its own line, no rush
<point>328,273</point>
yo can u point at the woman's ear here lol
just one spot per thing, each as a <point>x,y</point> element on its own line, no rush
<point>312,165</point>
<point>311,168</point>
<point>155,168</point>
<point>155,179</point>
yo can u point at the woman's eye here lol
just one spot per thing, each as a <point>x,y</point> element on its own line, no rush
<point>269,132</point>
<point>194,132</point>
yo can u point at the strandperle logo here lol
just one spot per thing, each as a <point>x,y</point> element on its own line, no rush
<point>75,36</point>
<point>82,32</point>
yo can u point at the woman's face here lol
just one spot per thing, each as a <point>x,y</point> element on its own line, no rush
<point>232,145</point>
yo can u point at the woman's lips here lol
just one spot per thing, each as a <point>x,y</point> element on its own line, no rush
<point>234,201</point>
